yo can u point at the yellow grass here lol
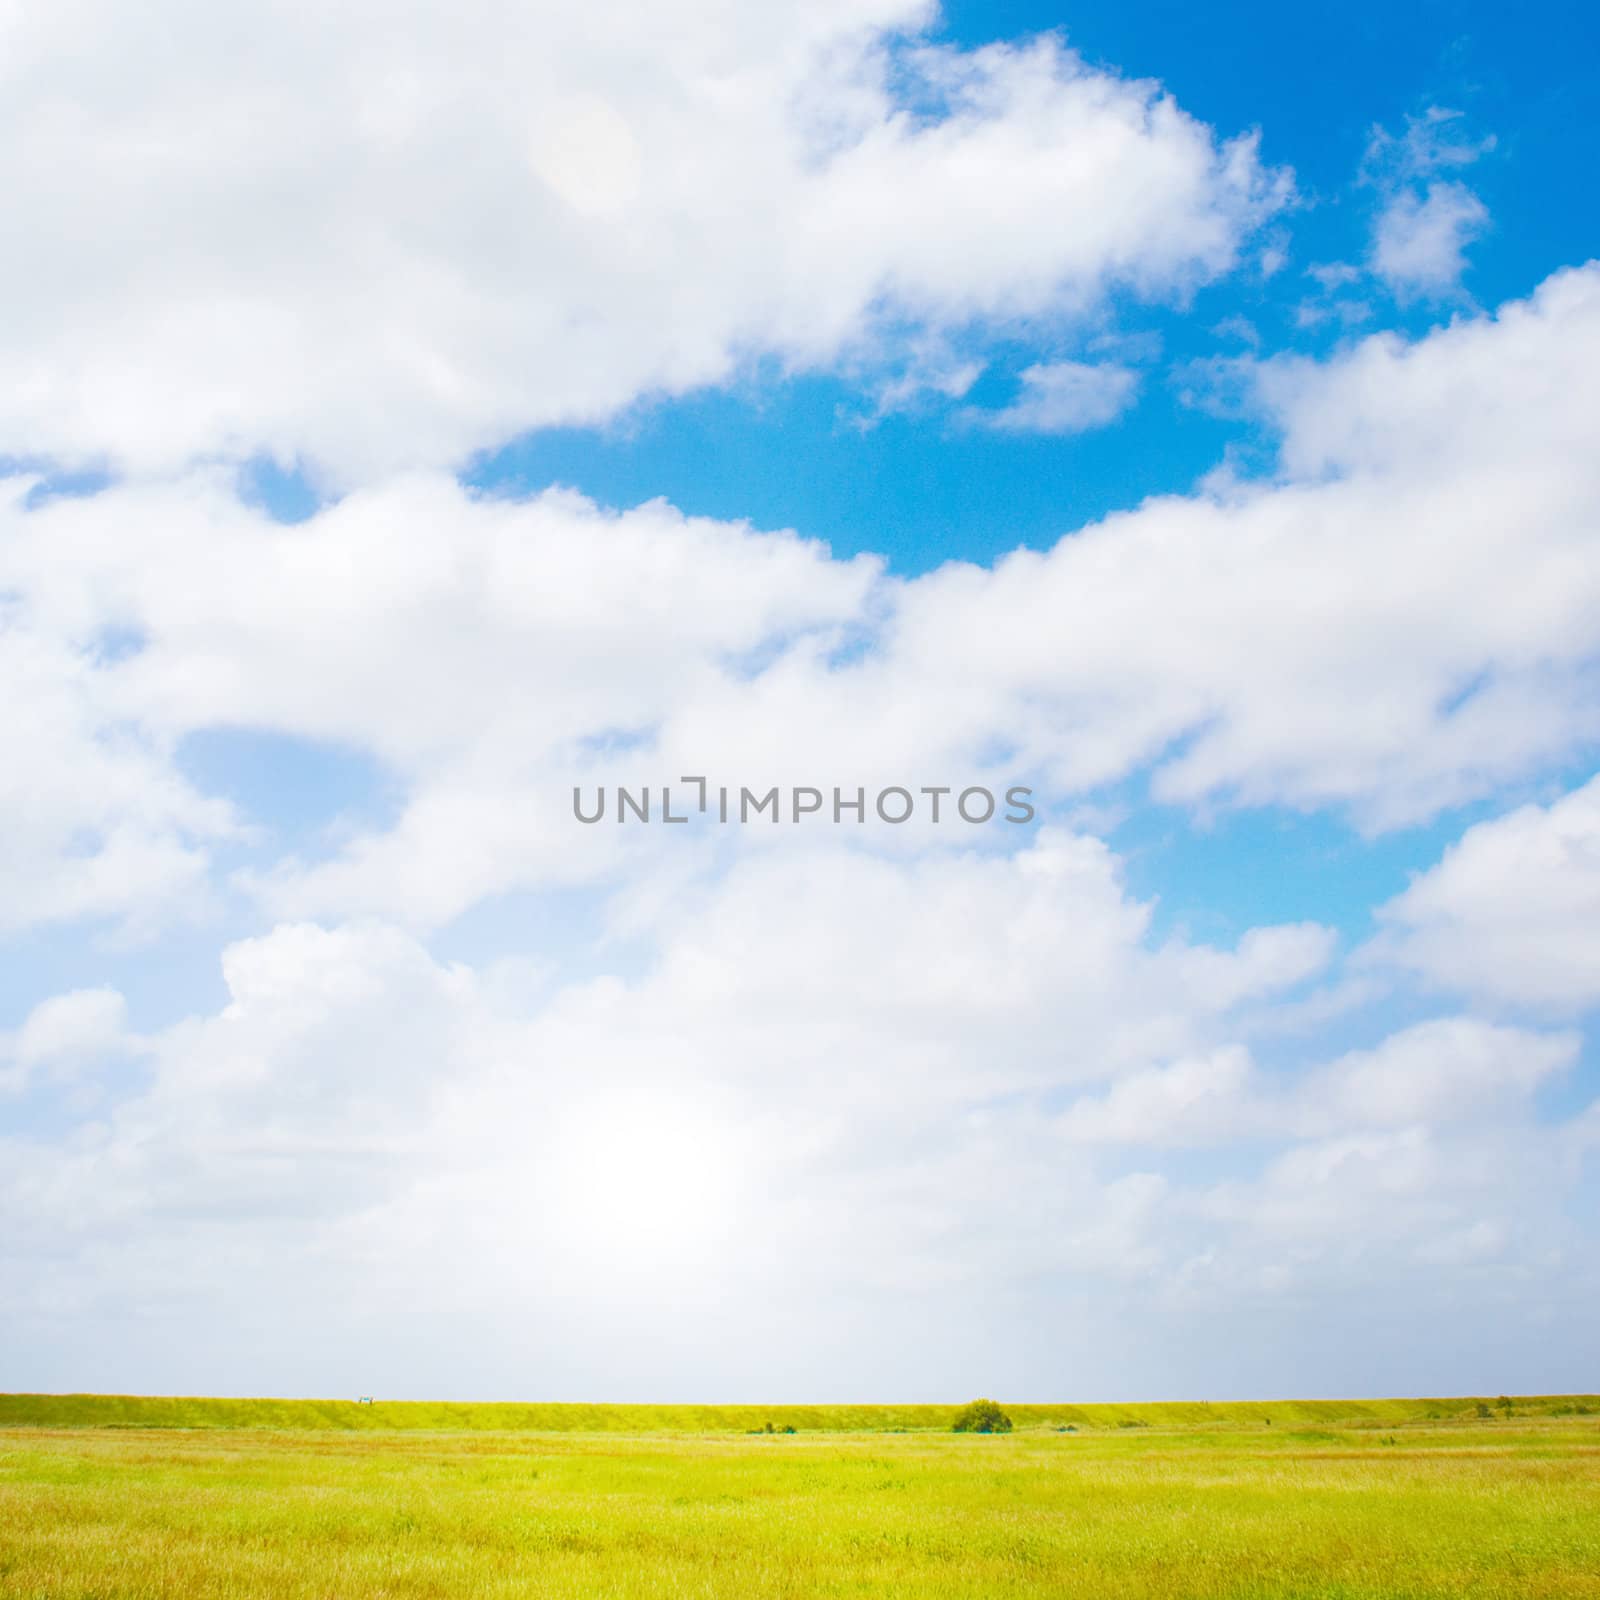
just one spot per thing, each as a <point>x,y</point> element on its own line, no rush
<point>1389,1507</point>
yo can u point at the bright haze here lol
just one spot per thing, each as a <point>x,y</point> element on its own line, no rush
<point>412,415</point>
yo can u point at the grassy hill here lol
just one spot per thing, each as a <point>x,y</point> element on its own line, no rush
<point>140,1411</point>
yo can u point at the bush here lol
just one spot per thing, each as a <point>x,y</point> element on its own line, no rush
<point>982,1416</point>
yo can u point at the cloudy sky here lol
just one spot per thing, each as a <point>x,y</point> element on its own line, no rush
<point>414,414</point>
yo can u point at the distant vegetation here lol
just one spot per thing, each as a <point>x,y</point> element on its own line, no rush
<point>129,1411</point>
<point>982,1416</point>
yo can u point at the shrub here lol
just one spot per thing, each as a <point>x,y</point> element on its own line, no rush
<point>982,1416</point>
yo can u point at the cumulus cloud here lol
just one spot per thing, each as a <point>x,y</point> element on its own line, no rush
<point>96,821</point>
<point>482,650</point>
<point>822,1098</point>
<point>1419,242</point>
<point>70,1027</point>
<point>1448,1069</point>
<point>1063,397</point>
<point>1425,222</point>
<point>1191,1101</point>
<point>1511,914</point>
<point>1399,620</point>
<point>64,1036</point>
<point>374,243</point>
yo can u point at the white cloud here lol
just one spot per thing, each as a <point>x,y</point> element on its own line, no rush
<point>824,1100</point>
<point>475,647</point>
<point>1063,397</point>
<point>1402,619</point>
<point>71,1027</point>
<point>1443,1071</point>
<point>375,242</point>
<point>1193,1101</point>
<point>1511,914</point>
<point>1419,241</point>
<point>64,1036</point>
<point>1450,1069</point>
<point>1436,141</point>
<point>1421,231</point>
<point>95,821</point>
<point>798,1064</point>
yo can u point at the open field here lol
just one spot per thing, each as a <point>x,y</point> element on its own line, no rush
<point>1388,1502</point>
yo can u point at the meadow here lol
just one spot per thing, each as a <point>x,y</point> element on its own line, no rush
<point>120,1497</point>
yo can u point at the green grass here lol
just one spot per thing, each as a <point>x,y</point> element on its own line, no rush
<point>1366,1499</point>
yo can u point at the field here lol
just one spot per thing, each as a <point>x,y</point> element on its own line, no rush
<point>109,1497</point>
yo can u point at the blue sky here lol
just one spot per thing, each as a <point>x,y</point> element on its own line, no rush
<point>1184,414</point>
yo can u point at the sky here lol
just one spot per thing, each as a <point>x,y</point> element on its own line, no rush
<point>418,421</point>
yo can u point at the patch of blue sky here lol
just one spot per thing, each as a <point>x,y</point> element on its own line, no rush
<point>163,979</point>
<point>918,490</point>
<point>1216,875</point>
<point>610,742</point>
<point>300,796</point>
<point>58,483</point>
<point>554,935</point>
<point>285,491</point>
<point>1218,870</point>
<point>117,643</point>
